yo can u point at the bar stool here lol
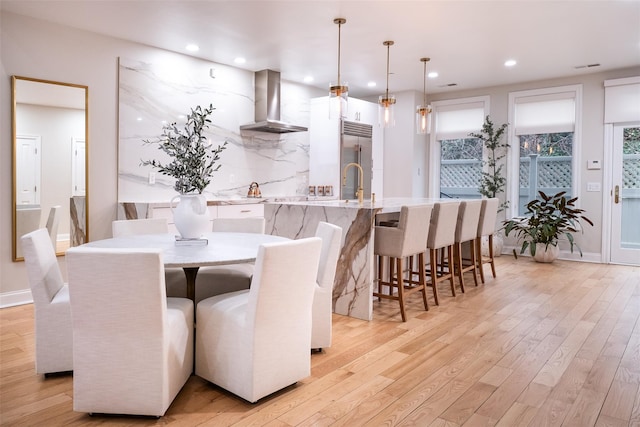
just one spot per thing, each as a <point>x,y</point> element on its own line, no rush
<point>486,227</point>
<point>399,243</point>
<point>442,231</point>
<point>466,231</point>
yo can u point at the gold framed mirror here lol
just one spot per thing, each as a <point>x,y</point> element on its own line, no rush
<point>50,157</point>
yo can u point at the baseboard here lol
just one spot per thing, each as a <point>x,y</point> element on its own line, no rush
<point>9,299</point>
<point>594,257</point>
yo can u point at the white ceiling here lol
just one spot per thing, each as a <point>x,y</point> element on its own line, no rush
<point>468,41</point>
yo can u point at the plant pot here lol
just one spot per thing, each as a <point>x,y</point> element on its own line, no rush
<point>191,215</point>
<point>546,254</point>
<point>498,245</point>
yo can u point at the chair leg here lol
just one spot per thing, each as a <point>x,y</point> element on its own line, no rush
<point>480,260</point>
<point>451,270</point>
<point>457,255</point>
<point>399,275</point>
<point>423,280</point>
<point>380,278</point>
<point>493,266</point>
<point>433,255</point>
<point>474,261</point>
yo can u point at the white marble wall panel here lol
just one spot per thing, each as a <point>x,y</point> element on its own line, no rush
<point>153,94</point>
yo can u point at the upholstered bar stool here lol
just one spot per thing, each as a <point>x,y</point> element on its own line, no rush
<point>486,227</point>
<point>442,231</point>
<point>466,231</point>
<point>408,239</point>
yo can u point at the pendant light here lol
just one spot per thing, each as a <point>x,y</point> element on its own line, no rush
<point>423,112</point>
<point>386,101</point>
<point>338,92</point>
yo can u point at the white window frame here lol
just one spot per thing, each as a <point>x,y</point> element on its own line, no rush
<point>434,144</point>
<point>513,161</point>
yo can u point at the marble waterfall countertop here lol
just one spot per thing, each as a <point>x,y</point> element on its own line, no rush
<point>352,287</point>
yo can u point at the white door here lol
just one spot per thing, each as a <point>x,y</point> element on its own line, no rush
<point>28,160</point>
<point>78,180</point>
<point>625,210</point>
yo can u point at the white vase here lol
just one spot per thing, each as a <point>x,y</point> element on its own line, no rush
<point>546,254</point>
<point>191,215</point>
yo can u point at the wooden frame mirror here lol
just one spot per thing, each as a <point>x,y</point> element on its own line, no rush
<point>50,157</point>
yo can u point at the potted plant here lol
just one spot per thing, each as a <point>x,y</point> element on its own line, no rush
<point>492,181</point>
<point>193,164</point>
<point>546,220</point>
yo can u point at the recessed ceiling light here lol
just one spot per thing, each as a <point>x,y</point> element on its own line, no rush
<point>371,84</point>
<point>510,63</point>
<point>192,47</point>
<point>432,74</point>
<point>308,79</point>
<point>240,60</point>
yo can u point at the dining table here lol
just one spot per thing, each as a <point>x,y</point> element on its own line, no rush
<point>214,248</point>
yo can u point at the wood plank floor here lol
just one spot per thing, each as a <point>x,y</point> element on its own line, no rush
<point>541,345</point>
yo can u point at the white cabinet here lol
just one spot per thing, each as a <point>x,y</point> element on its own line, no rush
<point>241,211</point>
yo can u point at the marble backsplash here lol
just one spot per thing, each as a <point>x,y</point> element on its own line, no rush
<point>151,95</point>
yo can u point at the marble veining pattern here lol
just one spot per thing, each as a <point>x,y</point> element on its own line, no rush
<point>354,273</point>
<point>153,94</point>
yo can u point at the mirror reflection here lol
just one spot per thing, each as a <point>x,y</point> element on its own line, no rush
<point>49,162</point>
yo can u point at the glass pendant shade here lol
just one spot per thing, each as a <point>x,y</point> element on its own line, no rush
<point>338,100</point>
<point>386,102</point>
<point>423,112</point>
<point>423,119</point>
<point>339,91</point>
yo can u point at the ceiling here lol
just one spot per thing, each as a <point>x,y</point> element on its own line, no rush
<point>467,41</point>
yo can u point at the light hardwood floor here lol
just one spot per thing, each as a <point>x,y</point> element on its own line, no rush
<point>540,345</point>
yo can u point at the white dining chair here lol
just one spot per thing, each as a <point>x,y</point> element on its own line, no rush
<point>53,330</point>
<point>219,279</point>
<point>174,277</point>
<point>321,332</point>
<point>255,342</point>
<point>133,346</point>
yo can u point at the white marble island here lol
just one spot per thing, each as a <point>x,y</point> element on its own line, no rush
<point>352,288</point>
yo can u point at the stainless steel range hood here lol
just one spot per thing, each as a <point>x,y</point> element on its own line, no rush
<point>267,113</point>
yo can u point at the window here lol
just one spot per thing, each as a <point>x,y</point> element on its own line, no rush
<point>544,143</point>
<point>456,158</point>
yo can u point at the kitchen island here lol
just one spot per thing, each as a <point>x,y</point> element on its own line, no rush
<point>355,273</point>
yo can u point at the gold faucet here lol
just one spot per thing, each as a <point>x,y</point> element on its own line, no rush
<point>360,191</point>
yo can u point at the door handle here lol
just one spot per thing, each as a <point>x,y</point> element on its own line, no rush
<point>616,195</point>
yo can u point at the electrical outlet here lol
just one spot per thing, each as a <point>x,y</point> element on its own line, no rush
<point>593,186</point>
<point>152,177</point>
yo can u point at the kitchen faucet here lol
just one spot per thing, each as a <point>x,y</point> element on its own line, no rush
<point>360,191</point>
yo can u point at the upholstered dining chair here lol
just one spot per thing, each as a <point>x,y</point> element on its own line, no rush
<point>442,231</point>
<point>220,279</point>
<point>398,244</point>
<point>487,227</point>
<point>133,346</point>
<point>174,277</point>
<point>255,342</point>
<point>52,225</point>
<point>466,231</point>
<point>54,334</point>
<point>321,331</point>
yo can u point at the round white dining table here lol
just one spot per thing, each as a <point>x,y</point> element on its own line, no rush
<point>221,248</point>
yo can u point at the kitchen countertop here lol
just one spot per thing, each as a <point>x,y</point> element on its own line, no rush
<point>391,204</point>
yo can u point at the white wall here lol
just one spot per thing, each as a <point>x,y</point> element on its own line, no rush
<point>37,49</point>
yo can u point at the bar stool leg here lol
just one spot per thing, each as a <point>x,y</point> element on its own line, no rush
<point>400,282</point>
<point>457,255</point>
<point>493,266</point>
<point>433,255</point>
<point>451,269</point>
<point>423,280</point>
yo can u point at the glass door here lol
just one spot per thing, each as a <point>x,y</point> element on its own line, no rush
<point>625,210</point>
